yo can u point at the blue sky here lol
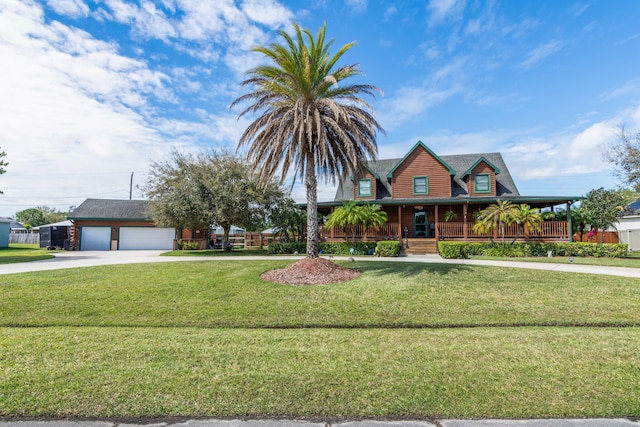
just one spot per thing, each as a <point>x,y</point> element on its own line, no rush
<point>91,91</point>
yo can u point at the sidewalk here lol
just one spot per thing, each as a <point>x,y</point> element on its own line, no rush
<point>95,258</point>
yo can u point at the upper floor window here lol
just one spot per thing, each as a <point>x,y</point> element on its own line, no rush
<point>482,183</point>
<point>420,185</point>
<point>365,187</point>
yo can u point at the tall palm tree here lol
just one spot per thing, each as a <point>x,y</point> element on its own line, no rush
<point>309,120</point>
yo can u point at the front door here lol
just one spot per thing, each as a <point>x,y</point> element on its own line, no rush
<point>420,224</point>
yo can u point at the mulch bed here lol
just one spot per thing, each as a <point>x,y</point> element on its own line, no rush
<point>307,271</point>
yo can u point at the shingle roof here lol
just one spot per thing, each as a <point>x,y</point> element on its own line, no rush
<point>111,209</point>
<point>460,163</point>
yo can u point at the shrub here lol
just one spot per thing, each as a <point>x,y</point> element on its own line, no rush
<point>187,245</point>
<point>344,248</point>
<point>287,247</point>
<point>387,248</point>
<point>453,250</point>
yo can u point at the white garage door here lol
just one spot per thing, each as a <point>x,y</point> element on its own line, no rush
<point>95,238</point>
<point>137,238</point>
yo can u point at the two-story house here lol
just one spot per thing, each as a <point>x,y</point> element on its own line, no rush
<point>421,189</point>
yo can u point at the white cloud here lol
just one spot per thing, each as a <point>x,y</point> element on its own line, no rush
<point>267,12</point>
<point>357,5</point>
<point>71,8</point>
<point>409,102</point>
<point>76,115</point>
<point>442,10</point>
<point>539,53</point>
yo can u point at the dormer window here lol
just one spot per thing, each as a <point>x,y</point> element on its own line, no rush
<point>482,183</point>
<point>365,187</point>
<point>420,185</point>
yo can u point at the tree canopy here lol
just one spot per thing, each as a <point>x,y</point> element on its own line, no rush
<point>195,191</point>
<point>310,121</point>
<point>601,208</point>
<point>40,215</point>
<point>624,154</point>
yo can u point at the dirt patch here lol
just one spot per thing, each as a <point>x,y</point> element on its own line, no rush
<point>307,271</point>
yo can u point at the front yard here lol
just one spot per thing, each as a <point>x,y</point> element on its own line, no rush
<point>403,340</point>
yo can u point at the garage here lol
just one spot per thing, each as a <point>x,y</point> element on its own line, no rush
<point>95,238</point>
<point>140,238</point>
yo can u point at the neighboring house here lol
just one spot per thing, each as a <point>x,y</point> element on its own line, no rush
<point>628,226</point>
<point>5,229</point>
<point>107,224</point>
<point>416,191</point>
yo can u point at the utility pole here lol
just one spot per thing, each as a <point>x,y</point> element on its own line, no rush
<point>131,186</point>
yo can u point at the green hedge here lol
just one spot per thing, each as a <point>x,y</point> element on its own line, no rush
<point>287,248</point>
<point>344,248</point>
<point>387,248</point>
<point>466,249</point>
<point>383,248</point>
<point>187,245</point>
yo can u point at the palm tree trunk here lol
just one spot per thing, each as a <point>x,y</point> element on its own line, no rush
<point>312,208</point>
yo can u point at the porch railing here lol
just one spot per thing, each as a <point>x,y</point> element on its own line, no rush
<point>549,229</point>
<point>388,231</point>
<point>446,230</point>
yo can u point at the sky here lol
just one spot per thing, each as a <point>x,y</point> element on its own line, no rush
<point>93,91</point>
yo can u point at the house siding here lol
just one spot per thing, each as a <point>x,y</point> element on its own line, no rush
<point>481,169</point>
<point>365,174</point>
<point>421,163</point>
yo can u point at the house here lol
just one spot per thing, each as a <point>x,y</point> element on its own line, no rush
<point>628,226</point>
<point>108,224</point>
<point>421,189</point>
<point>5,226</point>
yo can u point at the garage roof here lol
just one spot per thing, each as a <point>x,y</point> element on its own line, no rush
<point>111,209</point>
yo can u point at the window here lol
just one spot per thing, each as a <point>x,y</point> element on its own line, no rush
<point>420,185</point>
<point>482,183</point>
<point>364,187</point>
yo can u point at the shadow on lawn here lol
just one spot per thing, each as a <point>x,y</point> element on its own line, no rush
<point>406,269</point>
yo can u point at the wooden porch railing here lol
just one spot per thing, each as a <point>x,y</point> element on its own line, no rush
<point>388,231</point>
<point>446,230</point>
<point>549,229</point>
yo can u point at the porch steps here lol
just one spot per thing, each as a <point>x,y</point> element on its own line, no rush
<point>421,246</point>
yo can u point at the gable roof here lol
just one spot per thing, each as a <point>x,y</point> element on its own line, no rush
<point>435,156</point>
<point>480,160</point>
<point>111,209</point>
<point>459,163</point>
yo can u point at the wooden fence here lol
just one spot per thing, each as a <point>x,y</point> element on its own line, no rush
<point>30,238</point>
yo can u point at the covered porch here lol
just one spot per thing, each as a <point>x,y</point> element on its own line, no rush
<point>411,221</point>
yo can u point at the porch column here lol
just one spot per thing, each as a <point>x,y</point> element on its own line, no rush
<point>437,233</point>
<point>399,223</point>
<point>465,226</point>
<point>333,228</point>
<point>569,222</point>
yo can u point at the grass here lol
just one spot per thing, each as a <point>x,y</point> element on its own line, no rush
<point>632,260</point>
<point>17,252</point>
<point>230,294</point>
<point>218,253</point>
<point>404,340</point>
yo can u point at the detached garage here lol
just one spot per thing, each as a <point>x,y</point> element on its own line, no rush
<point>108,224</point>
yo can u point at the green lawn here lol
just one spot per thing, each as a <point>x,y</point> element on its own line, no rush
<point>632,260</point>
<point>403,340</point>
<point>22,253</point>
